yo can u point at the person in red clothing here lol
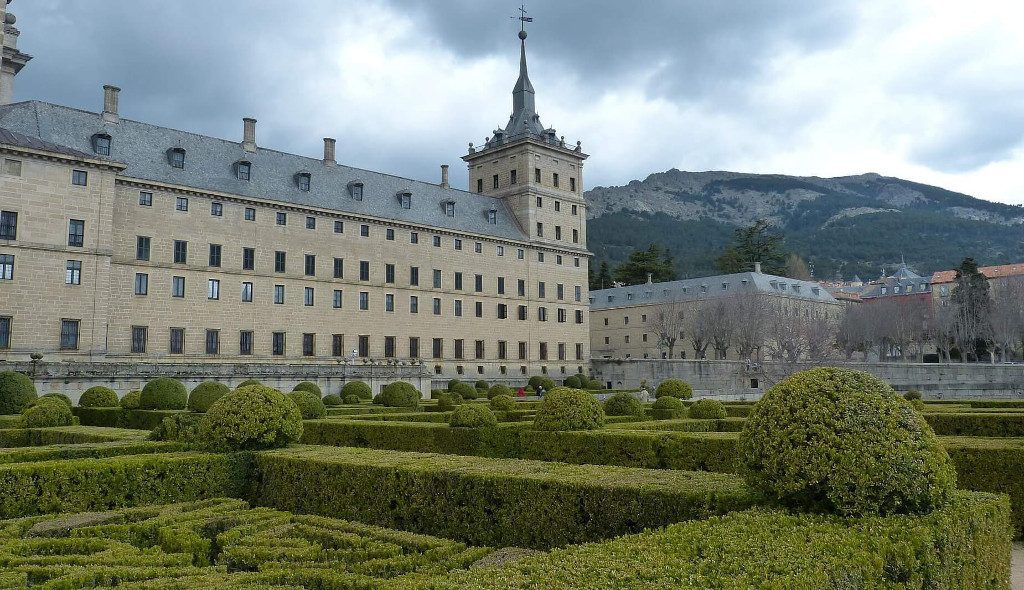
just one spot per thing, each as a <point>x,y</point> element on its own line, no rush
<point>521,392</point>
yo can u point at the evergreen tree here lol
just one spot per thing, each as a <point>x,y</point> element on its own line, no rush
<point>655,260</point>
<point>603,278</point>
<point>754,244</point>
<point>972,308</point>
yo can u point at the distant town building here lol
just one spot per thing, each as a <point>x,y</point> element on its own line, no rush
<point>998,276</point>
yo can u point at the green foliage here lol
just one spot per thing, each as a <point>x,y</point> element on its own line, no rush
<point>99,397</point>
<point>247,383</point>
<point>251,418</point>
<point>16,392</point>
<point>675,388</point>
<point>569,409</point>
<point>59,396</point>
<point>472,416</point>
<point>668,407</point>
<point>465,390</point>
<point>452,383</point>
<point>654,260</point>
<point>331,400</point>
<point>310,387</point>
<point>481,384</point>
<point>573,382</point>
<point>310,405</point>
<point>503,403</point>
<point>122,418</point>
<point>132,400</point>
<point>623,404</point>
<point>357,388</point>
<point>977,424</point>
<point>499,389</point>
<point>707,409</point>
<point>911,395</point>
<point>538,381</point>
<point>47,412</point>
<point>842,441</point>
<point>351,399</point>
<point>603,278</point>
<point>163,393</point>
<point>183,427</point>
<point>399,394</point>
<point>594,384</point>
<point>204,394</point>
<point>756,243</point>
<point>448,401</point>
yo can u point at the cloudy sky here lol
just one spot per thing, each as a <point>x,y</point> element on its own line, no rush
<point>928,90</point>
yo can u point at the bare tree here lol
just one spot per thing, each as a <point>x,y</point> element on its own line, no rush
<point>942,330</point>
<point>722,325</point>
<point>1007,330</point>
<point>785,341</point>
<point>820,331</point>
<point>854,333</point>
<point>669,323</point>
<point>699,328</point>
<point>750,314</point>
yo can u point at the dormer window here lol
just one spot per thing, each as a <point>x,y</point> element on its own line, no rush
<point>101,144</point>
<point>355,189</point>
<point>449,208</point>
<point>815,290</point>
<point>243,170</point>
<point>405,199</point>
<point>176,156</point>
<point>492,216</point>
<point>302,180</point>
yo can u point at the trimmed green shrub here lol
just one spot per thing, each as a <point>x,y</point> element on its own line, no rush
<point>59,396</point>
<point>436,393</point>
<point>481,384</point>
<point>911,395</point>
<point>668,407</point>
<point>251,418</point>
<point>594,384</point>
<point>465,390</point>
<point>541,381</point>
<point>16,392</point>
<point>977,424</point>
<point>399,395</point>
<point>358,389</point>
<point>674,388</point>
<point>310,405</point>
<point>204,394</point>
<point>310,387</point>
<point>448,401</point>
<point>47,412</point>
<point>131,400</point>
<point>623,404</point>
<point>99,397</point>
<point>569,409</point>
<point>183,427</point>
<point>573,382</point>
<point>707,409</point>
<point>163,393</point>
<point>499,389</point>
<point>503,403</point>
<point>842,441</point>
<point>472,416</point>
<point>247,383</point>
<point>452,383</point>
<point>351,399</point>
<point>332,399</point>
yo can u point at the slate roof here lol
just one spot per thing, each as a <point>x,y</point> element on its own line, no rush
<point>707,287</point>
<point>991,272</point>
<point>210,162</point>
<point>902,282</point>
<point>14,139</point>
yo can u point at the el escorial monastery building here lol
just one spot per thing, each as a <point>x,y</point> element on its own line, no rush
<point>122,240</point>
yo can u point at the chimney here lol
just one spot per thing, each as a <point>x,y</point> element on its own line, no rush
<point>757,267</point>
<point>444,176</point>
<point>329,151</point>
<point>249,134</point>
<point>110,98</point>
<point>650,278</point>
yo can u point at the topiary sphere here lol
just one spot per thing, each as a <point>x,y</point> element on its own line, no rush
<point>310,405</point>
<point>448,401</point>
<point>310,387</point>
<point>569,409</point>
<point>503,403</point>
<point>131,400</point>
<point>250,419</point>
<point>331,400</point>
<point>668,408</point>
<point>472,416</point>
<point>398,395</point>
<point>675,388</point>
<point>350,399</point>
<point>593,384</point>
<point>98,397</point>
<point>204,394</point>
<point>465,390</point>
<point>911,395</point>
<point>573,381</point>
<point>842,441</point>
<point>358,389</point>
<point>16,392</point>
<point>708,409</point>
<point>481,384</point>
<point>452,383</point>
<point>163,393</point>
<point>60,396</point>
<point>623,404</point>
<point>542,381</point>
<point>47,412</point>
<point>247,383</point>
<point>499,389</point>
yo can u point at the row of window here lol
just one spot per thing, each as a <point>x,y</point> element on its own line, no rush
<point>9,229</point>
<point>513,178</point>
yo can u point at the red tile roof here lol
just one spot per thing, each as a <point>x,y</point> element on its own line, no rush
<point>991,272</point>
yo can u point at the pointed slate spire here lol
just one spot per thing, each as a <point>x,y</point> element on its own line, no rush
<point>523,94</point>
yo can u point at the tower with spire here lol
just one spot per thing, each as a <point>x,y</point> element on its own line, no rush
<point>13,60</point>
<point>533,170</point>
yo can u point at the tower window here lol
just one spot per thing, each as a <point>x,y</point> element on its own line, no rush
<point>479,185</point>
<point>494,180</point>
<point>536,175</point>
<point>512,177</point>
<point>572,183</point>
<point>554,179</point>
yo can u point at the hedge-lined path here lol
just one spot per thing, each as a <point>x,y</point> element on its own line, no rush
<point>1017,568</point>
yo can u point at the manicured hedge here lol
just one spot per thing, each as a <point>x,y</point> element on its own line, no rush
<point>685,425</point>
<point>977,424</point>
<point>498,503</point>
<point>961,547</point>
<point>122,418</point>
<point>56,452</point>
<point>68,435</point>
<point>1016,403</point>
<point>991,465</point>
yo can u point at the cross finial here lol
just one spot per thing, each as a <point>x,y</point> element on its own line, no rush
<point>523,20</point>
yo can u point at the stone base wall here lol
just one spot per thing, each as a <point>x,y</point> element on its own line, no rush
<point>739,380</point>
<point>72,379</point>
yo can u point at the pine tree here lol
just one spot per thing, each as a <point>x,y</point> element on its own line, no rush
<point>754,244</point>
<point>972,308</point>
<point>603,278</point>
<point>655,261</point>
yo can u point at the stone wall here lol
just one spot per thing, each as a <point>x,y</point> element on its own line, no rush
<point>741,380</point>
<point>72,378</point>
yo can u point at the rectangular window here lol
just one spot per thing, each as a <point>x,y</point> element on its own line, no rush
<point>479,185</point>
<point>215,250</point>
<point>5,332</point>
<point>478,349</point>
<point>414,304</point>
<point>560,291</point>
<point>389,273</point>
<point>414,276</point>
<point>337,299</point>
<point>478,283</point>
<point>141,283</point>
<point>181,204</point>
<point>437,241</point>
<point>478,248</point>
<point>479,309</point>
<point>279,261</point>
<point>414,347</point>
<point>561,351</point>
<point>492,216</point>
<point>437,306</point>
<point>554,179</point>
<point>364,231</point>
<point>282,218</point>
<point>364,346</point>
<point>578,293</point>
<point>79,177</point>
<point>243,171</point>
<point>69,334</point>
<point>8,225</point>
<point>389,234</point>
<point>458,281</point>
<point>541,290</point>
<point>246,292</point>
<point>76,232</point>
<point>540,257</point>
<point>521,287</point>
<point>501,285</point>
<point>414,237</point>
<point>73,273</point>
<point>213,289</point>
<point>458,244</point>
<point>561,315</point>
<point>540,229</point>
<point>575,236</point>
<point>6,267</point>
<point>437,279</point>
<point>494,181</point>
<point>310,265</point>
<point>310,222</point>
<point>308,344</point>
<point>339,227</point>
<point>278,294</point>
<point>579,351</point>
<point>180,252</point>
<point>459,353</point>
<point>574,209</point>
<point>458,308</point>
<point>248,258</point>
<point>12,167</point>
<point>364,300</point>
<point>512,176</point>
<point>502,311</point>
<point>572,183</point>
<point>437,348</point>
<point>364,270</point>
<point>216,209</point>
<point>277,344</point>
<point>389,347</point>
<point>337,345</point>
<point>542,314</point>
<point>177,341</point>
<point>500,250</point>
<point>142,247</point>
<point>522,351</point>
<point>250,214</point>
<point>543,351</point>
<point>245,342</point>
<point>579,316</point>
<point>139,334</point>
<point>389,302</point>
<point>502,350</point>
<point>536,175</point>
<point>177,287</point>
<point>520,253</point>
<point>213,342</point>
<point>522,312</point>
<point>307,296</point>
<point>558,232</point>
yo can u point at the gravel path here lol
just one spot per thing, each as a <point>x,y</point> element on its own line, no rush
<point>1017,568</point>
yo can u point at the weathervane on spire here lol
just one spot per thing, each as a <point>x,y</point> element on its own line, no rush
<point>524,19</point>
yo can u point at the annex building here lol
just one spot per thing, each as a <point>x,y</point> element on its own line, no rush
<point>122,240</point>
